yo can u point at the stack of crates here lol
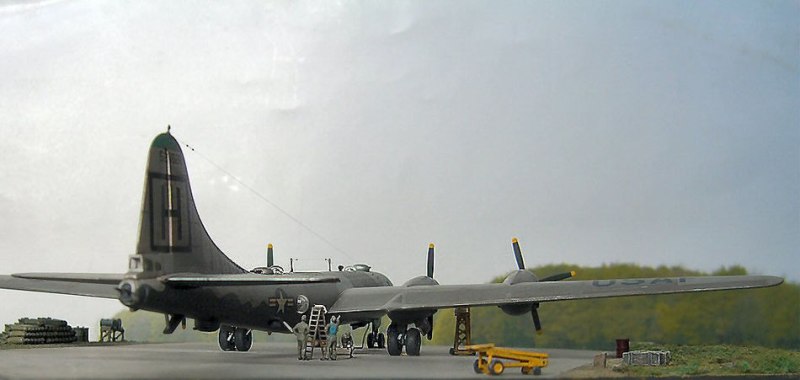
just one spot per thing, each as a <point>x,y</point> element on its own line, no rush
<point>647,358</point>
<point>38,331</point>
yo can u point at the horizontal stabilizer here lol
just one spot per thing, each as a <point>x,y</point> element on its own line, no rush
<point>89,278</point>
<point>65,283</point>
<point>195,281</point>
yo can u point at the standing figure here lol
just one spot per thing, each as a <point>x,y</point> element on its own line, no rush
<point>301,333</point>
<point>332,328</point>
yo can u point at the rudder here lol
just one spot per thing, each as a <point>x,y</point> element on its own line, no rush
<point>172,238</point>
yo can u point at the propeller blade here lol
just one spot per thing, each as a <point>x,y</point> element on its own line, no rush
<point>518,254</point>
<point>430,260</point>
<point>559,276</point>
<point>270,260</point>
<point>430,333</point>
<point>536,322</point>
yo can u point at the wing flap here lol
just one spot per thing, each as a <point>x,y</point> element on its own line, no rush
<point>63,283</point>
<point>399,298</point>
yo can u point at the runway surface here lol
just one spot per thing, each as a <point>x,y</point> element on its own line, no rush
<point>265,360</point>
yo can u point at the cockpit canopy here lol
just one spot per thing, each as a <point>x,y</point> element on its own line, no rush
<point>357,268</point>
<point>275,269</point>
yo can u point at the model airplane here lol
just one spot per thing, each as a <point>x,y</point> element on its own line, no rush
<point>179,271</point>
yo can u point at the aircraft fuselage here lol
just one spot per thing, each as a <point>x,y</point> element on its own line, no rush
<point>259,307</point>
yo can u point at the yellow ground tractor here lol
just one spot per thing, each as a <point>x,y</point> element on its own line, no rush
<point>489,359</point>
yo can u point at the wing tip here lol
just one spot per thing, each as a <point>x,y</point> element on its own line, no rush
<point>773,280</point>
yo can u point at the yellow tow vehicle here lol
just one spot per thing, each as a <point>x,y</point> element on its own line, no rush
<point>489,362</point>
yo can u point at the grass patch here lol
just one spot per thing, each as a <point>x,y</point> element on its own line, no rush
<point>718,360</point>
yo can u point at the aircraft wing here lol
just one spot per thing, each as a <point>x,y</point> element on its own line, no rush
<point>79,284</point>
<point>429,297</point>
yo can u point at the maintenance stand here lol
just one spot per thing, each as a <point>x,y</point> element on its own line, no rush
<point>463,336</point>
<point>111,330</point>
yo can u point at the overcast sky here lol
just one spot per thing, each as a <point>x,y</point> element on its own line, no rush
<point>651,132</point>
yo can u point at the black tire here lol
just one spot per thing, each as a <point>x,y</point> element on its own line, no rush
<point>476,366</point>
<point>413,342</point>
<point>496,367</point>
<point>392,343</point>
<point>381,340</point>
<point>537,371</point>
<point>226,338</point>
<point>243,339</point>
<point>370,340</point>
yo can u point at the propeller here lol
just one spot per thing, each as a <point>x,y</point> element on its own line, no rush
<point>270,259</point>
<point>426,280</point>
<point>537,323</point>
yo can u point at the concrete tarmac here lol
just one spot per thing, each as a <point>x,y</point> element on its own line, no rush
<point>264,360</point>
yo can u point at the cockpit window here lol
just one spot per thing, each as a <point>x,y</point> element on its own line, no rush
<point>358,268</point>
<point>135,263</point>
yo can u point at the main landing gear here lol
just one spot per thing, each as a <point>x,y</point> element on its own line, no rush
<point>235,338</point>
<point>375,339</point>
<point>397,337</point>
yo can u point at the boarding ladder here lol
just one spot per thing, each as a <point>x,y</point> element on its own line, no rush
<point>317,336</point>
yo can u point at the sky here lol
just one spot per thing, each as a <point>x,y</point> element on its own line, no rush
<point>648,132</point>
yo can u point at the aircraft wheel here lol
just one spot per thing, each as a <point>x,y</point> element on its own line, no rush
<point>393,342</point>
<point>226,338</point>
<point>526,370</point>
<point>476,366</point>
<point>537,371</point>
<point>370,340</point>
<point>243,339</point>
<point>496,367</point>
<point>381,340</point>
<point>413,342</point>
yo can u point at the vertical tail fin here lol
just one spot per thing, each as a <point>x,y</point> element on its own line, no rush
<point>172,238</point>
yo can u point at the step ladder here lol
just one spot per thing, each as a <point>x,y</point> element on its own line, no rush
<point>316,332</point>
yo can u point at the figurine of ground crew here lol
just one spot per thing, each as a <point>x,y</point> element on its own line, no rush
<point>332,328</point>
<point>301,333</point>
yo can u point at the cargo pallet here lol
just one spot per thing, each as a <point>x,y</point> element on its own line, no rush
<point>489,362</point>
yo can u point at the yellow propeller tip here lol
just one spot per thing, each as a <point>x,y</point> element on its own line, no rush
<point>573,273</point>
<point>269,245</point>
<point>514,240</point>
<point>430,246</point>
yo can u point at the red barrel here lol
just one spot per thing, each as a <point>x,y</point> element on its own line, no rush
<point>623,345</point>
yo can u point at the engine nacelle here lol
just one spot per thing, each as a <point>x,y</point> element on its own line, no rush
<point>421,280</point>
<point>518,277</point>
<point>131,294</point>
<point>206,325</point>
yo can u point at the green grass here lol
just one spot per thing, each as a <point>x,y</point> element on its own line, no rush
<point>719,360</point>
